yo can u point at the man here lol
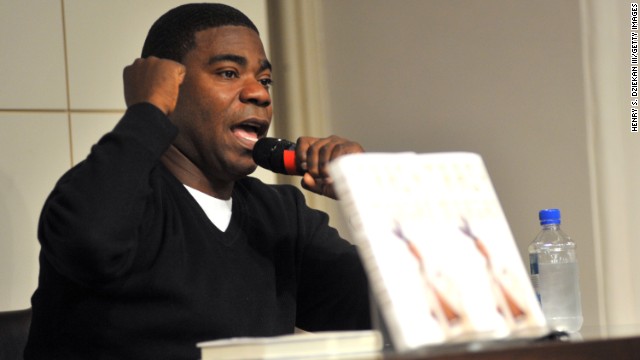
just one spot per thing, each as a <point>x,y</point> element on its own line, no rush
<point>159,240</point>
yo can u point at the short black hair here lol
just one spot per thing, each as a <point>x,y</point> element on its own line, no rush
<point>173,34</point>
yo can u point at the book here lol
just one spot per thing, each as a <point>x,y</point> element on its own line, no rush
<point>364,344</point>
<point>441,261</point>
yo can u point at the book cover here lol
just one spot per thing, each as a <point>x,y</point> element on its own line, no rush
<point>441,260</point>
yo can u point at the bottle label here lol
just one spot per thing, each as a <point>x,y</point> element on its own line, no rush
<point>533,264</point>
<point>534,271</point>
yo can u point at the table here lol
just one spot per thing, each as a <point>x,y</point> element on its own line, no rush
<point>592,343</point>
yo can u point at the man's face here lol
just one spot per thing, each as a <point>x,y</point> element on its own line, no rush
<point>224,103</point>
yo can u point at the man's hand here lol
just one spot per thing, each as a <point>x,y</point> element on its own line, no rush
<point>153,80</point>
<point>313,155</point>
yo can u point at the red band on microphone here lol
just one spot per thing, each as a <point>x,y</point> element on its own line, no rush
<point>289,159</point>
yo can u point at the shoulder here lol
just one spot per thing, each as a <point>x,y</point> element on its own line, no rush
<point>256,187</point>
<point>272,199</point>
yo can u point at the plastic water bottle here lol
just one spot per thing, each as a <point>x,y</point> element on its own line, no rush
<point>554,274</point>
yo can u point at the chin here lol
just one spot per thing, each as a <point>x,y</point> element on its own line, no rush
<point>245,171</point>
<point>253,169</point>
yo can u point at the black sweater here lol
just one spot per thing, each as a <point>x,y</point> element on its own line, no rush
<point>131,267</point>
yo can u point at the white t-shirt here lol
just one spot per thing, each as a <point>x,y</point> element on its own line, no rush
<point>218,211</point>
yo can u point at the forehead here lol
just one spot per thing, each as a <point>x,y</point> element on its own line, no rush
<point>229,40</point>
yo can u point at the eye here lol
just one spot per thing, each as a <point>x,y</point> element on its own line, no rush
<point>229,74</point>
<point>266,83</point>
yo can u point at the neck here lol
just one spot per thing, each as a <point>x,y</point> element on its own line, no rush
<point>189,174</point>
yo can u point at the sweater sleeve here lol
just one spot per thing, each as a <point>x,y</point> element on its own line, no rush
<point>333,288</point>
<point>89,224</point>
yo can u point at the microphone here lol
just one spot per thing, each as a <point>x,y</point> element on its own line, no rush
<point>277,155</point>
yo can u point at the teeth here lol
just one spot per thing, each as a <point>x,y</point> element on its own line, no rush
<point>250,139</point>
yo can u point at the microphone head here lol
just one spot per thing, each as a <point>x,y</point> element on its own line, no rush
<point>270,153</point>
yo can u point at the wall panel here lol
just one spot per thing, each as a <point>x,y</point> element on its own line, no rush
<point>35,150</point>
<point>32,56</point>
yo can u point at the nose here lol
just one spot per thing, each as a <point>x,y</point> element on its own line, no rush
<point>255,92</point>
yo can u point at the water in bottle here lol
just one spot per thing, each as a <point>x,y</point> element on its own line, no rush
<point>554,274</point>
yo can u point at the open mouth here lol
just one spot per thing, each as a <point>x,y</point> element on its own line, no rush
<point>249,131</point>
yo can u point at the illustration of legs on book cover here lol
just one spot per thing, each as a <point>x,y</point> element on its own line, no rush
<point>471,292</point>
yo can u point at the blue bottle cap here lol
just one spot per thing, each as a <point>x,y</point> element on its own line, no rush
<point>549,216</point>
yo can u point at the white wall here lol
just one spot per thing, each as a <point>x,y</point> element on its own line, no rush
<point>61,69</point>
<point>607,50</point>
<point>502,78</point>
